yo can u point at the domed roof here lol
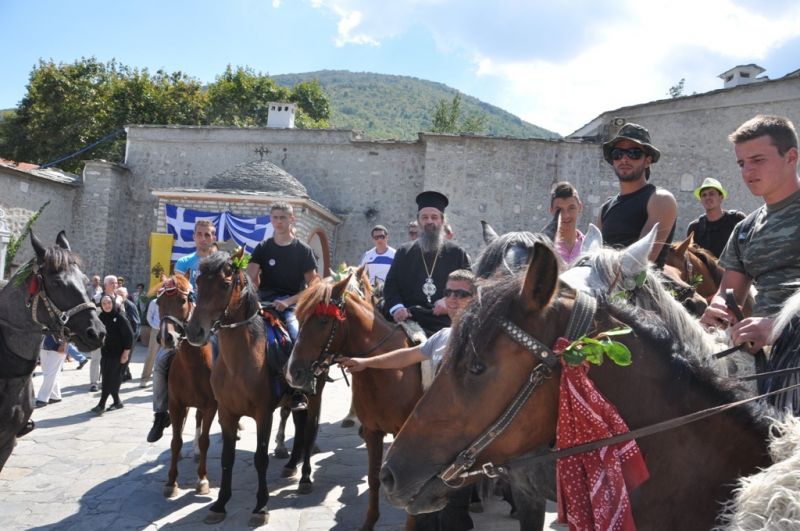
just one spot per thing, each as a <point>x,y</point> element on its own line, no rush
<point>258,176</point>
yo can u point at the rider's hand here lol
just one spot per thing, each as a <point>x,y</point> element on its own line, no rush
<point>754,330</point>
<point>439,308</point>
<point>279,305</point>
<point>352,364</point>
<point>401,315</point>
<point>717,314</point>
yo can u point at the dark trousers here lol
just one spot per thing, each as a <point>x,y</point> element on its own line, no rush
<point>111,370</point>
<point>454,517</point>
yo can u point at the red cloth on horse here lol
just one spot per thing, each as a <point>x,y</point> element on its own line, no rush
<point>593,486</point>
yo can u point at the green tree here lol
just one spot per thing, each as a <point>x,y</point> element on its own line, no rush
<point>15,241</point>
<point>313,105</point>
<point>676,90</point>
<point>241,97</point>
<point>448,117</point>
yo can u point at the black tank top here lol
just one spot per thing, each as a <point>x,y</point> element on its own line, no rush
<point>624,216</point>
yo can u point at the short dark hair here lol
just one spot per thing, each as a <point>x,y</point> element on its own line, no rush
<point>780,130</point>
<point>464,275</point>
<point>563,190</point>
<point>282,205</point>
<point>379,227</point>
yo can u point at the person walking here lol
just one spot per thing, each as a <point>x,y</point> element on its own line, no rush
<point>115,352</point>
<point>52,357</point>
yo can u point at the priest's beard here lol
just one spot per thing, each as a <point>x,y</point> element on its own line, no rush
<point>431,238</point>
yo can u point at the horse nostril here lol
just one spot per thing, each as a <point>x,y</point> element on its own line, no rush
<point>298,374</point>
<point>386,478</point>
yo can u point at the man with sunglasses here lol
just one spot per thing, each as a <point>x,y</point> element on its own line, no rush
<point>378,259</point>
<point>639,205</point>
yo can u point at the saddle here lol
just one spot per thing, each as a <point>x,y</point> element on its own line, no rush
<point>417,336</point>
<point>279,343</point>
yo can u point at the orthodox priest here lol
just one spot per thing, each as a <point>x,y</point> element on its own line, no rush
<point>420,268</point>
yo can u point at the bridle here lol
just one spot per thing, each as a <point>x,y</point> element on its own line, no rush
<point>218,323</point>
<point>37,292</point>
<point>170,289</point>
<point>580,321</point>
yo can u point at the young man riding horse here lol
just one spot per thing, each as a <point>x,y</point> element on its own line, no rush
<point>281,267</point>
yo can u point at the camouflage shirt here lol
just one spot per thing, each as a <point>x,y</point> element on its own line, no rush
<point>765,246</point>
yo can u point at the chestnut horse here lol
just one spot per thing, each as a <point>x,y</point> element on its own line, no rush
<point>692,469</point>
<point>46,295</point>
<point>241,377</point>
<point>189,379</point>
<point>383,398</point>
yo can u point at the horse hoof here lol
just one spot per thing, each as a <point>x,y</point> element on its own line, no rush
<point>305,488</point>
<point>348,423</point>
<point>288,472</point>
<point>213,518</point>
<point>202,487</point>
<point>258,519</point>
<point>171,491</point>
<point>281,453</point>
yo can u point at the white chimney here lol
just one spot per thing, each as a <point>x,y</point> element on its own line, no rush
<point>281,115</point>
<point>742,75</point>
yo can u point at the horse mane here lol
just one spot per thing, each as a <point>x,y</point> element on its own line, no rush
<point>214,262</point>
<point>790,309</point>
<point>181,282</point>
<point>709,260</point>
<point>322,291</point>
<point>493,257</point>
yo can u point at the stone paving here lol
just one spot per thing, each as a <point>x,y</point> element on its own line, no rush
<point>77,471</point>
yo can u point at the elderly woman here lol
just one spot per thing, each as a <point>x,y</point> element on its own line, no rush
<point>115,352</point>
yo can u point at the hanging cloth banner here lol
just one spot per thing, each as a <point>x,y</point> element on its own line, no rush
<point>160,252</point>
<point>245,231</point>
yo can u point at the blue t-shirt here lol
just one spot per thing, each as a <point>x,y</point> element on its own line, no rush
<point>187,263</point>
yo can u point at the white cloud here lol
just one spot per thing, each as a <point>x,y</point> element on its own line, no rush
<point>559,67</point>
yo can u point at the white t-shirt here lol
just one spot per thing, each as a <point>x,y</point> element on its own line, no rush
<point>378,264</point>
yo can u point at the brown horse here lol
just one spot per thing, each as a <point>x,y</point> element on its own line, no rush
<point>189,379</point>
<point>382,398</point>
<point>692,469</point>
<point>241,377</point>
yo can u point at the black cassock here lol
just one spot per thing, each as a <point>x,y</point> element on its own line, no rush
<point>407,276</point>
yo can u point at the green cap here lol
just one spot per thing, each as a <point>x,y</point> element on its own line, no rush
<point>634,133</point>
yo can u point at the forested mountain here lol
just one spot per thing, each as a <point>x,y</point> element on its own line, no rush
<point>399,107</point>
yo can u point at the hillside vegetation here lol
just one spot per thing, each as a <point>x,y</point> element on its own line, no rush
<point>399,107</point>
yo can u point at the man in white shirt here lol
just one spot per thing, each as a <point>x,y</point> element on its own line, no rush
<point>378,259</point>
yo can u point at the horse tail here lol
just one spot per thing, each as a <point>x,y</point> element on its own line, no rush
<point>770,499</point>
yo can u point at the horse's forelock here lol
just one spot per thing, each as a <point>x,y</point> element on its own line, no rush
<point>708,260</point>
<point>58,259</point>
<point>214,262</point>
<point>318,292</point>
<point>494,254</point>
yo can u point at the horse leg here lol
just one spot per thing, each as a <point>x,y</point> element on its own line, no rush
<point>280,438</point>
<point>350,420</point>
<point>177,413</point>
<point>300,419</point>
<point>229,423</point>
<point>260,514</point>
<point>202,486</point>
<point>374,440</point>
<point>198,428</point>
<point>312,425</point>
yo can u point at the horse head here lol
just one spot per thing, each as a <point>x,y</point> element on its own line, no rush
<point>464,399</point>
<point>175,302</point>
<point>57,294</point>
<point>506,254</point>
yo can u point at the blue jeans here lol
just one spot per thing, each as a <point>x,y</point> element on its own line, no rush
<point>289,318</point>
<point>74,353</point>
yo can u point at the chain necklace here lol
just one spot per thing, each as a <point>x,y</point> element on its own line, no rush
<point>429,288</point>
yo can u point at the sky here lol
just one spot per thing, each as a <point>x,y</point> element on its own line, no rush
<point>557,64</point>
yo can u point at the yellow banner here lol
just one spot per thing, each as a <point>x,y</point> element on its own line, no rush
<point>160,254</point>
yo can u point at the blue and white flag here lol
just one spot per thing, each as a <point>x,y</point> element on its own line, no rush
<point>247,232</point>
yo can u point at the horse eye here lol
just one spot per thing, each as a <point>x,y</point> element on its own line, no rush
<point>476,367</point>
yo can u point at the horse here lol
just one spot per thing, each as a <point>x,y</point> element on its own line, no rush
<point>338,317</point>
<point>242,379</point>
<point>502,341</point>
<point>46,295</point>
<point>189,380</point>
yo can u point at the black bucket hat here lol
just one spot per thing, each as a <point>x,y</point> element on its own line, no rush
<point>634,133</point>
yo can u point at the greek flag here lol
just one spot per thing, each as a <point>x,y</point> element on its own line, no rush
<point>247,232</point>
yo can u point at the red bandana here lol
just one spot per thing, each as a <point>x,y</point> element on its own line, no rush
<point>329,310</point>
<point>593,486</point>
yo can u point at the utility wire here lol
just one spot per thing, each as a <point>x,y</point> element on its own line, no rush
<point>106,138</point>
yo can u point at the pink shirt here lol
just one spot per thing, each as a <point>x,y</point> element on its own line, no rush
<point>569,255</point>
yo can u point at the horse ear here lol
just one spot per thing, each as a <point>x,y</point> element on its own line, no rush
<point>489,235</point>
<point>339,287</point>
<point>552,227</point>
<point>37,246</point>
<point>593,240</point>
<point>634,258</point>
<point>541,279</point>
<point>61,240</point>
<point>681,248</point>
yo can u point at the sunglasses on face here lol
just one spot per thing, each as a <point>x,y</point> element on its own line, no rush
<point>459,293</point>
<point>378,236</point>
<point>632,153</point>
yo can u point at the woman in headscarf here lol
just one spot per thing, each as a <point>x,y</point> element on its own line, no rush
<point>115,352</point>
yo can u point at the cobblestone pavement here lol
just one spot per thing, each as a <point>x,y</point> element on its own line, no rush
<point>78,471</point>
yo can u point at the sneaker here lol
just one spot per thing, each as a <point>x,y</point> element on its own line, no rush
<point>93,388</point>
<point>82,364</point>
<point>143,383</point>
<point>98,410</point>
<point>26,429</point>
<point>39,404</point>
<point>299,402</point>
<point>160,421</point>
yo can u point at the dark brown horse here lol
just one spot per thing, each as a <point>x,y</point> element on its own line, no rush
<point>241,378</point>
<point>693,467</point>
<point>46,295</point>
<point>189,379</point>
<point>382,398</point>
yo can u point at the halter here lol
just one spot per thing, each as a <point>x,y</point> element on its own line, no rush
<point>580,321</point>
<point>37,291</point>
<point>169,289</point>
<point>217,323</point>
